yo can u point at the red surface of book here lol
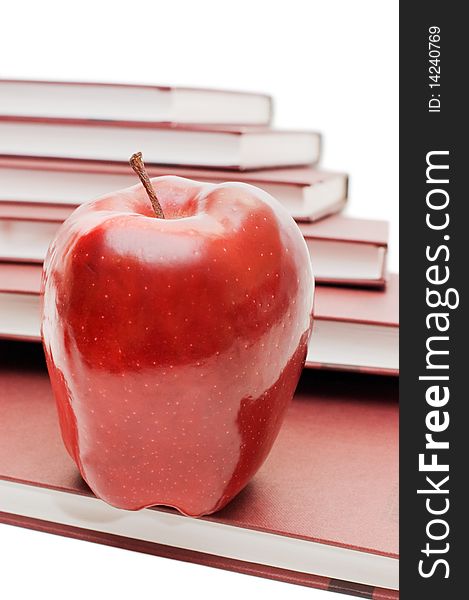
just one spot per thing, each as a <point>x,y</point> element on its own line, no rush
<point>339,256</point>
<point>301,176</point>
<point>331,303</point>
<point>26,240</point>
<point>308,193</point>
<point>348,229</point>
<point>33,211</point>
<point>348,251</point>
<point>236,148</point>
<point>354,329</point>
<point>331,479</point>
<point>370,307</point>
<point>114,101</point>
<point>20,279</point>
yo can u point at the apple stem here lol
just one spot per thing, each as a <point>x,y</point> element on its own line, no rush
<point>136,162</point>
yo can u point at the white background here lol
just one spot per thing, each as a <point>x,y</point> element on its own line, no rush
<point>331,65</point>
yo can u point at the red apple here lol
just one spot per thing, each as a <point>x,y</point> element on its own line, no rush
<point>174,345</point>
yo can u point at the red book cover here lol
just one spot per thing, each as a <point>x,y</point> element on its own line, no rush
<point>133,102</point>
<point>308,193</point>
<point>20,279</point>
<point>19,301</point>
<point>348,251</point>
<point>356,329</point>
<point>348,229</point>
<point>331,480</point>
<point>226,147</point>
<point>353,330</point>
<point>359,306</point>
<point>331,303</point>
<point>301,176</point>
<point>331,264</point>
<point>33,211</point>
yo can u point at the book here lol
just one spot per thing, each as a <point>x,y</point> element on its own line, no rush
<point>123,102</point>
<point>343,250</point>
<point>356,329</point>
<point>348,251</point>
<point>308,193</point>
<point>19,301</point>
<point>189,145</point>
<point>353,329</point>
<point>337,254</point>
<point>26,240</point>
<point>34,211</point>
<point>321,511</point>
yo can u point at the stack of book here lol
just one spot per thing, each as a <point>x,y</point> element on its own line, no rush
<point>323,516</point>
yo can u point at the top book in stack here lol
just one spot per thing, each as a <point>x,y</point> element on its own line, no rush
<point>132,103</point>
<point>172,126</point>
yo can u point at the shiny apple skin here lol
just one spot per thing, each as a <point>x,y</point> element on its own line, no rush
<point>174,345</point>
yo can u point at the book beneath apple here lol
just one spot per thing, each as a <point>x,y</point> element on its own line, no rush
<point>321,512</point>
<point>307,192</point>
<point>126,102</point>
<point>354,329</point>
